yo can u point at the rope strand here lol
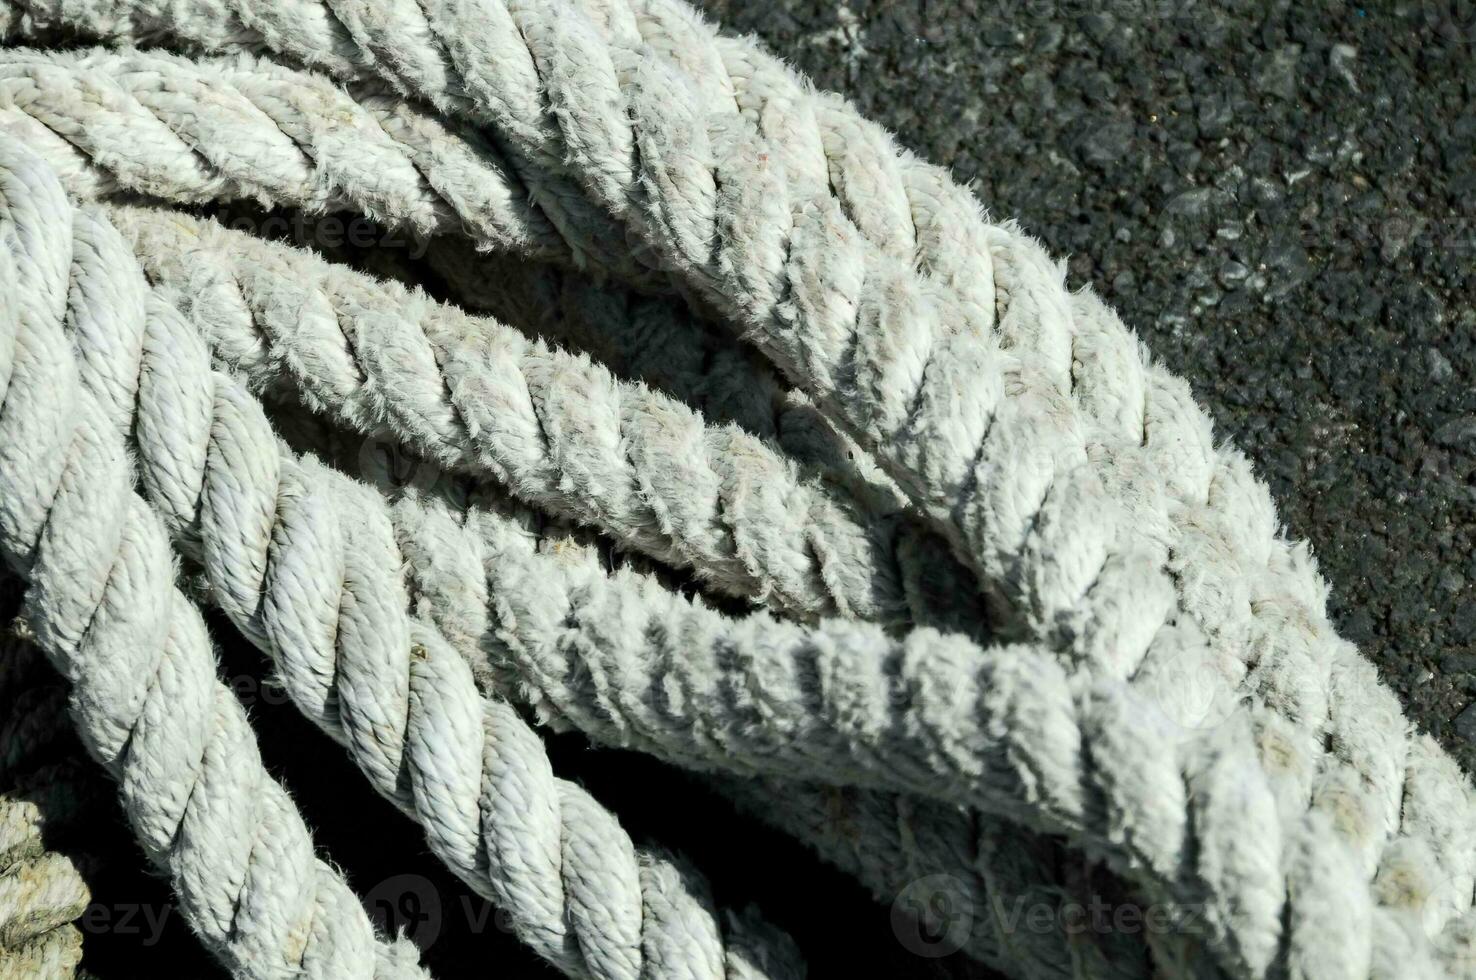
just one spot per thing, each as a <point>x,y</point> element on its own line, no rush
<point>103,607</point>
<point>628,716</point>
<point>1084,486</point>
<point>305,564</point>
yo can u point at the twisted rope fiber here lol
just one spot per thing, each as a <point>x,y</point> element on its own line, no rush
<point>305,567</point>
<point>441,550</point>
<point>1112,601</point>
<point>1348,783</point>
<point>437,557</point>
<point>103,607</point>
<point>378,154</point>
<point>602,712</point>
<point>638,465</point>
<point>653,339</point>
<point>1268,672</point>
<point>522,206</point>
<point>886,840</point>
<point>271,135</point>
<point>276,298</point>
<point>883,855</point>
<point>146,427</point>
<point>1301,788</point>
<point>1344,787</point>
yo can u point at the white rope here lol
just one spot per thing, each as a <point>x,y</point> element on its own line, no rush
<point>176,371</point>
<point>103,607</point>
<point>654,339</point>
<point>888,841</point>
<point>638,465</point>
<point>1082,485</point>
<point>868,717</point>
<point>672,736</point>
<point>304,563</point>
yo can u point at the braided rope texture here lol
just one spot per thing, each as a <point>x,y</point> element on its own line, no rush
<point>638,465</point>
<point>1078,481</point>
<point>886,840</point>
<point>445,561</point>
<point>112,344</point>
<point>903,849</point>
<point>103,607</point>
<point>297,559</point>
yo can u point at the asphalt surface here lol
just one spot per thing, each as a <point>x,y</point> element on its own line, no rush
<point>1278,197</point>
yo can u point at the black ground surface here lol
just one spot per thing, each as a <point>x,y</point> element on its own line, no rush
<point>1277,196</point>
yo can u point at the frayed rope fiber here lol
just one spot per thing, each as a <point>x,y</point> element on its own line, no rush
<point>907,521</point>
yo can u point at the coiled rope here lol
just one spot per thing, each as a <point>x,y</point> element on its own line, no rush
<point>299,564</point>
<point>1109,537</point>
<point>102,606</point>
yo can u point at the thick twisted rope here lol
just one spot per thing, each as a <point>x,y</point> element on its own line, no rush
<point>304,563</point>
<point>456,596</point>
<point>271,135</point>
<point>1358,778</point>
<point>654,339</point>
<point>920,437</point>
<point>786,724</point>
<point>440,552</point>
<point>639,718</point>
<point>177,173</point>
<point>638,465</point>
<point>1218,494</point>
<point>889,842</point>
<point>376,154</point>
<point>103,607</point>
<point>1248,589</point>
<point>886,840</point>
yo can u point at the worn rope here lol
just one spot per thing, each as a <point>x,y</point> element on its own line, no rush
<point>180,433</point>
<point>628,716</point>
<point>153,176</point>
<point>885,840</point>
<point>558,430</point>
<point>306,567</point>
<point>783,727</point>
<point>103,607</point>
<point>1009,470</point>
